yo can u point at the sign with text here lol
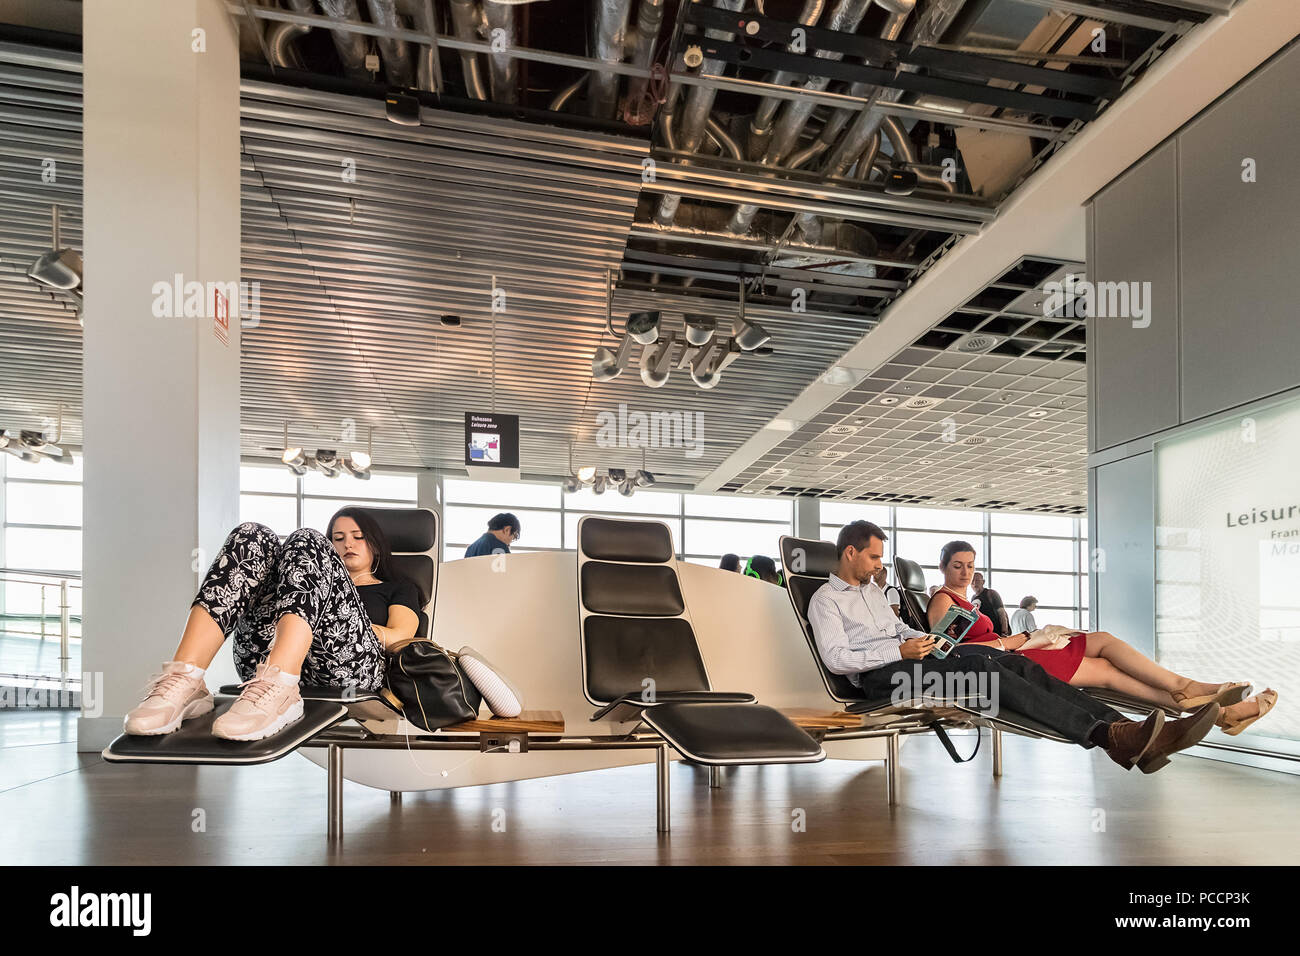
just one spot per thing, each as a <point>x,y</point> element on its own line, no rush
<point>491,440</point>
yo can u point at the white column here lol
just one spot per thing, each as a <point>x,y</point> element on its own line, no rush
<point>807,518</point>
<point>161,151</point>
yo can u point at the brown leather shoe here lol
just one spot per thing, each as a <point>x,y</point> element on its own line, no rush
<point>1129,740</point>
<point>1178,735</point>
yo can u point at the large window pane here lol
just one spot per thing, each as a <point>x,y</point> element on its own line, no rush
<point>316,512</point>
<point>1055,589</point>
<point>278,514</point>
<point>504,496</point>
<point>29,503</point>
<point>970,522</point>
<point>275,478</point>
<point>923,547</point>
<point>389,487</point>
<point>1000,523</point>
<point>732,506</point>
<point>43,470</point>
<point>571,519</point>
<point>465,523</point>
<point>840,513</point>
<point>1032,554</point>
<point>736,537</point>
<point>40,549</point>
<point>642,502</point>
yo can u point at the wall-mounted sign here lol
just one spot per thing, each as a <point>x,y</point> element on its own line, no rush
<point>491,440</point>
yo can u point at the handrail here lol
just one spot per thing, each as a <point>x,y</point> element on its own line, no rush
<point>57,575</point>
<point>64,583</point>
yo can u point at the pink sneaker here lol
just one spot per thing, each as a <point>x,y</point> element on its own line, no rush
<point>266,706</point>
<point>172,698</point>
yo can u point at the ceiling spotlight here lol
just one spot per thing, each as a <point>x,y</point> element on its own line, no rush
<point>643,327</point>
<point>572,484</point>
<point>451,321</point>
<point>357,464</point>
<point>587,474</point>
<point>607,365</point>
<point>700,329</point>
<point>655,360</point>
<point>617,475</point>
<point>598,486</point>
<point>625,488</point>
<point>643,478</point>
<point>751,336</point>
<point>402,108</point>
<point>292,457</point>
<point>327,462</point>
<point>58,268</point>
<point>706,370</point>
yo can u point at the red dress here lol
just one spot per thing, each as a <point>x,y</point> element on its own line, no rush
<point>1060,664</point>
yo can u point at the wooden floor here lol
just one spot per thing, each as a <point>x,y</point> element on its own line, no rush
<point>1054,805</point>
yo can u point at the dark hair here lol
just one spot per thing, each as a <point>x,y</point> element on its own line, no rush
<point>374,536</point>
<point>1027,600</point>
<point>857,533</point>
<point>503,520</point>
<point>765,568</point>
<point>730,562</point>
<point>951,548</point>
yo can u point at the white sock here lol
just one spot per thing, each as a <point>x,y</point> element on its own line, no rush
<point>290,679</point>
<point>195,672</point>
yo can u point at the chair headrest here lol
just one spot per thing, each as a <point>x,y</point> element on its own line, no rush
<point>807,556</point>
<point>910,576</point>
<point>407,529</point>
<point>618,539</point>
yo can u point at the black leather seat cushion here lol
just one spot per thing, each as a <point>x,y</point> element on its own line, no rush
<point>722,734</point>
<point>407,529</point>
<point>816,559</point>
<point>642,590</point>
<point>194,743</point>
<point>613,539</point>
<point>621,652</point>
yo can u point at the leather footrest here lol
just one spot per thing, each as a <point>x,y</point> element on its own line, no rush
<point>732,734</point>
<point>194,743</point>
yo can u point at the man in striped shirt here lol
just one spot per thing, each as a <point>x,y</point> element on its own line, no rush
<point>859,636</point>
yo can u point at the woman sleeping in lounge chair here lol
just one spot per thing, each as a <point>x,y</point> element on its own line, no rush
<point>321,608</point>
<point>1096,659</point>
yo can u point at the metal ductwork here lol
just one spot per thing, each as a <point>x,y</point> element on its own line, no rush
<point>649,18</point>
<point>395,55</point>
<point>695,115</point>
<point>760,130</point>
<point>845,18</point>
<point>503,68</point>
<point>424,52</point>
<point>351,47</point>
<point>610,32</point>
<point>280,36</point>
<point>463,24</point>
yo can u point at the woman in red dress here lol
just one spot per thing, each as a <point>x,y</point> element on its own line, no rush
<point>1096,659</point>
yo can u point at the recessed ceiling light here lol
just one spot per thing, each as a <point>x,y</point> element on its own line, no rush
<point>832,453</point>
<point>841,430</point>
<point>746,491</point>
<point>1037,413</point>
<point>984,485</point>
<point>1007,397</point>
<point>783,425</point>
<point>926,461</point>
<point>888,400</point>
<point>974,440</point>
<point>777,470</point>
<point>1033,471</point>
<point>920,401</point>
<point>975,342</point>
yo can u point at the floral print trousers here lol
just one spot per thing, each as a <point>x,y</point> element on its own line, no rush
<point>255,580</point>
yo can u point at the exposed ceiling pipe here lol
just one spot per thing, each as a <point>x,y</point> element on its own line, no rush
<point>695,114</point>
<point>425,75</point>
<point>395,55</point>
<point>462,22</point>
<point>718,133</point>
<point>280,37</point>
<point>760,128</point>
<point>845,18</point>
<point>610,32</point>
<point>562,97</point>
<point>351,47</point>
<point>504,68</point>
<point>649,18</point>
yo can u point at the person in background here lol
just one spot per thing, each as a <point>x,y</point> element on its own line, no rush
<point>1023,619</point>
<point>933,590</point>
<point>765,568</point>
<point>730,562</point>
<point>502,530</point>
<point>892,596</point>
<point>989,602</point>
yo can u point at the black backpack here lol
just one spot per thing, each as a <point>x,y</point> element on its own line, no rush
<point>429,684</point>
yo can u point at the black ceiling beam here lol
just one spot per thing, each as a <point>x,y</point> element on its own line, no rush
<point>891,53</point>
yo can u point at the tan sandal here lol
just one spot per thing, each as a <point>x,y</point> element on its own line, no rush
<point>1227,695</point>
<point>1266,700</point>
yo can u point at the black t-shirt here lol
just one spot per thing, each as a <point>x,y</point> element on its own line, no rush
<point>990,604</point>
<point>378,598</point>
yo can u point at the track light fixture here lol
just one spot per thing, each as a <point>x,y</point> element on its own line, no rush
<point>643,327</point>
<point>700,329</point>
<point>31,446</point>
<point>655,360</point>
<point>643,478</point>
<point>598,485</point>
<point>572,484</point>
<point>625,488</point>
<point>587,474</point>
<point>706,370</point>
<point>327,462</point>
<point>617,475</point>
<point>59,268</point>
<point>751,336</point>
<point>606,365</point>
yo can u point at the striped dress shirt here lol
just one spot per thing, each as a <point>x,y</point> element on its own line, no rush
<point>855,628</point>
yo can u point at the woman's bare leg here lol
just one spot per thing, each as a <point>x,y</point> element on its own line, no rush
<point>1137,665</point>
<point>1099,672</point>
<point>291,644</point>
<point>200,640</point>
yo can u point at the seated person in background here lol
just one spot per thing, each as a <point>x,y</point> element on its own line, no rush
<point>892,597</point>
<point>730,562</point>
<point>1023,619</point>
<point>765,569</point>
<point>1098,659</point>
<point>323,607</point>
<point>502,529</point>
<point>990,603</point>
<point>858,635</point>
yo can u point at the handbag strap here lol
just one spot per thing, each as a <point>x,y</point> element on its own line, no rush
<point>952,751</point>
